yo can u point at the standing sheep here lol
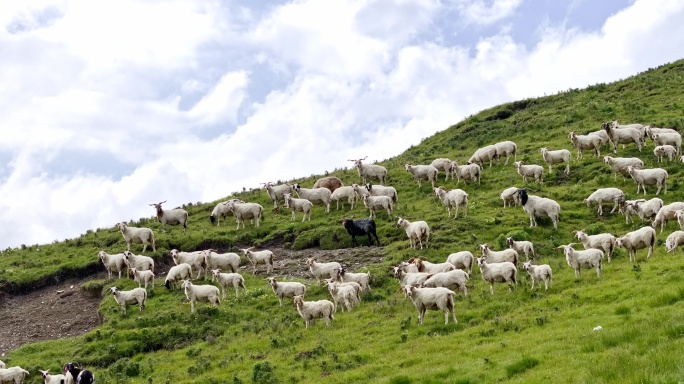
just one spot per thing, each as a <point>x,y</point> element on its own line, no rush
<point>623,135</point>
<point>462,260</point>
<point>113,263</point>
<point>674,240</point>
<point>134,296</point>
<point>283,289</point>
<point>588,258</point>
<point>137,235</point>
<point>442,164</point>
<point>439,299</point>
<point>311,310</point>
<point>259,257</point>
<point>582,142</point>
<point>651,176</point>
<point>221,211</point>
<point>539,273</point>
<point>557,157</point>
<point>530,170</point>
<point>620,164</point>
<point>322,270</point>
<point>195,293</point>
<point>244,211</point>
<point>466,172</point>
<point>453,199</point>
<point>299,205</point>
<point>605,195</point>
<point>225,280</point>
<point>171,216</point>
<point>315,196</point>
<point>661,151</point>
<point>506,148</point>
<point>374,203</point>
<point>417,232</point>
<point>498,273</point>
<point>510,195</point>
<point>665,213</point>
<point>602,241</point>
<point>340,193</point>
<point>277,192</point>
<point>422,172</point>
<point>540,206</point>
<point>644,237</point>
<point>521,246</point>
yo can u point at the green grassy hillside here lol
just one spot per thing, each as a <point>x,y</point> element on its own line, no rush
<point>524,336</point>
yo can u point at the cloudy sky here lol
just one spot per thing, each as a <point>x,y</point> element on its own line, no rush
<point>108,106</point>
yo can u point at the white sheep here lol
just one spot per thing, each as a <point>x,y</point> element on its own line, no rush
<point>356,286</point>
<point>194,259</point>
<point>651,176</point>
<point>342,293</point>
<point>422,172</point>
<point>141,277</point>
<point>14,375</point>
<point>228,261</point>
<point>409,267</point>
<point>623,135</point>
<point>643,208</point>
<point>588,258</point>
<point>409,278</point>
<point>360,191</point>
<point>381,190</point>
<point>602,241</point>
<point>506,148</point>
<point>312,310</point>
<point>650,131</point>
<point>558,156</point>
<point>620,164</point>
<point>674,240</point>
<point>176,216</point>
<point>139,262</point>
<point>665,213</point>
<point>674,139</point>
<point>113,263</point>
<point>605,139</point>
<point>498,273</point>
<point>259,257</point>
<point>417,232</point>
<point>283,289</point>
<point>539,273</point>
<point>221,211</point>
<point>454,198</point>
<point>315,195</point>
<point>177,273</point>
<point>277,192</point>
<point>442,164</point>
<point>2,365</point>
<point>486,153</point>
<point>428,267</point>
<point>134,296</point>
<point>661,151</point>
<point>466,172</point>
<point>582,142</point>
<point>51,379</point>
<point>244,211</point>
<point>540,206</point>
<point>605,195</point>
<point>462,260</point>
<point>510,195</point>
<point>361,278</point>
<point>521,246</point>
<point>510,255</point>
<point>322,270</point>
<point>439,299</point>
<point>530,170</point>
<point>228,279</point>
<point>344,192</point>
<point>374,203</point>
<point>644,237</point>
<point>454,280</point>
<point>370,171</point>
<point>137,235</point>
<point>679,215</point>
<point>195,293</point>
<point>299,205</point>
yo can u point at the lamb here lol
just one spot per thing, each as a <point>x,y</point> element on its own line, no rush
<point>171,216</point>
<point>277,192</point>
<point>487,153</point>
<point>340,193</point>
<point>316,196</point>
<point>455,279</point>
<point>521,246</point>
<point>605,195</point>
<point>259,257</point>
<point>665,213</point>
<point>644,237</point>
<point>582,142</point>
<point>15,375</point>
<point>651,176</point>
<point>442,164</point>
<point>530,170</point>
<point>539,273</point>
<point>52,379</point>
<point>410,278</point>
<point>370,171</point>
<point>428,267</point>
<point>381,190</point>
<point>602,241</point>
<point>440,299</point>
<point>137,235</point>
<point>673,139</point>
<point>506,148</point>
<point>342,293</point>
<point>674,240</point>
<point>139,262</point>
<point>113,263</point>
<point>311,310</point>
<point>588,258</point>
<point>661,151</point>
<point>510,195</point>
<point>194,293</point>
<point>194,259</point>
<point>286,289</point>
<point>244,211</point>
<point>329,182</point>
<point>359,228</point>
<point>620,164</point>
<point>505,272</point>
<point>141,277</point>
<point>322,270</point>
<point>177,273</point>
<point>422,172</point>
<point>462,260</point>
<point>229,279</point>
<point>299,205</point>
<point>417,232</point>
<point>510,255</point>
<point>134,296</point>
<point>453,199</point>
<point>228,261</point>
<point>82,376</point>
<point>374,203</point>
<point>466,172</point>
<point>557,157</point>
<point>221,211</point>
<point>540,206</point>
<point>623,135</point>
<point>643,208</point>
<point>361,278</point>
<point>360,191</point>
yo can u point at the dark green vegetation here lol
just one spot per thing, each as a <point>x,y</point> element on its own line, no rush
<point>523,336</point>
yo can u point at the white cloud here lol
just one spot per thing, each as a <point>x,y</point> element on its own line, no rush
<point>221,103</point>
<point>486,12</point>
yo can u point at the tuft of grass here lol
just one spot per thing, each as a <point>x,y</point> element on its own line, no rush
<point>521,366</point>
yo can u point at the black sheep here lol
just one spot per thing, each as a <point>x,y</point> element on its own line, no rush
<point>81,376</point>
<point>359,228</point>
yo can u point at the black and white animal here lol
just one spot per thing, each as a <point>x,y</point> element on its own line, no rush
<point>80,376</point>
<point>359,228</point>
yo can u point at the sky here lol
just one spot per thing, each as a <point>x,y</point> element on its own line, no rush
<point>108,106</point>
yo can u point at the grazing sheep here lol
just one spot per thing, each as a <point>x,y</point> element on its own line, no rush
<point>15,375</point>
<point>361,278</point>
<point>454,280</point>
<point>651,176</point>
<point>558,156</point>
<point>52,379</point>
<point>381,190</point>
<point>134,296</point>
<point>539,273</point>
<point>674,240</point>
<point>137,235</point>
<point>312,310</point>
<point>644,237</point>
<point>510,195</point>
<point>582,142</point>
<point>453,199</point>
<point>439,299</point>
<point>422,172</point>
<point>665,213</point>
<point>177,273</point>
<point>487,153</point>
<point>673,139</point>
<point>359,228</point>
<point>329,182</point>
<point>602,241</point>
<point>299,205</point>
<point>510,255</point>
<point>283,289</point>
<point>409,278</point>
<point>374,203</point>
<point>506,148</point>
<point>588,258</point>
<point>194,259</point>
<point>623,135</point>
<point>171,216</point>
<point>340,193</point>
<point>221,211</point>
<point>113,263</point>
<point>504,272</point>
<point>466,172</point>
<point>195,293</point>
<point>530,170</point>
<point>259,257</point>
<point>370,171</point>
<point>139,262</point>
<point>322,270</point>
<point>521,246</point>
<point>665,150</point>
<point>462,260</point>
<point>417,232</point>
<point>277,192</point>
<point>605,195</point>
<point>244,211</point>
<point>141,277</point>
<point>540,206</point>
<point>316,195</point>
<point>426,266</point>
<point>229,279</point>
<point>442,164</point>
<point>342,293</point>
<point>620,164</point>
<point>643,208</point>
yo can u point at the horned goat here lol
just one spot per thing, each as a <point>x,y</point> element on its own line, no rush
<point>370,171</point>
<point>176,216</point>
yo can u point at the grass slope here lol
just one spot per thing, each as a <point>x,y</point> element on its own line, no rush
<point>523,336</point>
